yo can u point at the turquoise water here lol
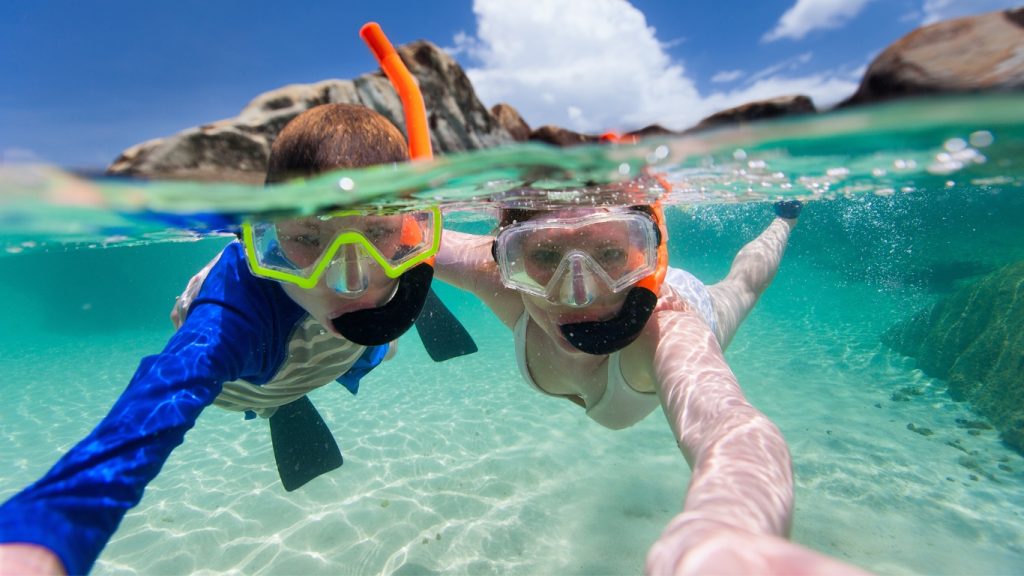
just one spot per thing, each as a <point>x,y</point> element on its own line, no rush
<point>459,467</point>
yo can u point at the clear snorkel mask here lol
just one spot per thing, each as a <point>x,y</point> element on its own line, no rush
<point>572,261</point>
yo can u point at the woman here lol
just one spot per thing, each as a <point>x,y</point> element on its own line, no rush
<point>599,319</point>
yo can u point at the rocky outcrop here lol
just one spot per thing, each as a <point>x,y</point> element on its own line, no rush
<point>758,110</point>
<point>745,113</point>
<point>237,149</point>
<point>981,53</point>
<point>976,54</point>
<point>511,121</point>
<point>561,136</point>
<point>974,339</point>
<point>652,130</point>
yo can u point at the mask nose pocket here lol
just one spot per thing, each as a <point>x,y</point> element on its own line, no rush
<point>577,283</point>
<point>349,273</point>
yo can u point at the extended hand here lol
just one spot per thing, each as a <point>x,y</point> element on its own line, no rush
<point>706,547</point>
<point>788,209</point>
<point>26,559</point>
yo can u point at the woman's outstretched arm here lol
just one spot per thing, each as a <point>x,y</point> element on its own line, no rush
<point>740,500</point>
<point>465,261</point>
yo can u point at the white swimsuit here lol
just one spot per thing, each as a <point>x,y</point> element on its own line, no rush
<point>621,405</point>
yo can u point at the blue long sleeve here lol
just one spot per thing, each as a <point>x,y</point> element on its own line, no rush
<point>235,329</point>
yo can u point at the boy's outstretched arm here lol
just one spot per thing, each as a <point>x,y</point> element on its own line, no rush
<point>75,508</point>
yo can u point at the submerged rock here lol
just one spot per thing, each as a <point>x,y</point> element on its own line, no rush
<point>974,340</point>
<point>237,149</point>
<point>983,53</point>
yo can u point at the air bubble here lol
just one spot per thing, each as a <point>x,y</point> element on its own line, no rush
<point>955,144</point>
<point>981,138</point>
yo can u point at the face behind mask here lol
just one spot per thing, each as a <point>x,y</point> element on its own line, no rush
<point>573,260</point>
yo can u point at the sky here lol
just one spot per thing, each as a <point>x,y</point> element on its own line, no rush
<point>82,81</point>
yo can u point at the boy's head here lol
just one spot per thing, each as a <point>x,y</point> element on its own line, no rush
<point>334,137</point>
<point>362,274</point>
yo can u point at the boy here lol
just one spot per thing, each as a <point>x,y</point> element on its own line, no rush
<point>293,306</point>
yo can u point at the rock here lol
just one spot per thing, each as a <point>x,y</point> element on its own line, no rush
<point>974,54</point>
<point>757,110</point>
<point>974,339</point>
<point>651,130</point>
<point>561,136</point>
<point>220,153</point>
<point>458,120</point>
<point>511,121</point>
<point>920,430</point>
<point>237,149</point>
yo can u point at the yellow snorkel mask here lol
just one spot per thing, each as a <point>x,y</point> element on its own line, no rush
<point>300,250</point>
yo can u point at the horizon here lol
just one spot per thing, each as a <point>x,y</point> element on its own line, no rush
<point>84,82</point>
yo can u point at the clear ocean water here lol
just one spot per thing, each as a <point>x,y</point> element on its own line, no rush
<point>459,468</point>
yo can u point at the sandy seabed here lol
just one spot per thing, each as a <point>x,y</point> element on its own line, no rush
<point>459,468</point>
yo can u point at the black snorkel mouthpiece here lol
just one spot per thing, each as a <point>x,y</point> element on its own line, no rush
<point>607,336</point>
<point>376,326</point>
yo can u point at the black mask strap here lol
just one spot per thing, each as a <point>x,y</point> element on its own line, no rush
<point>376,326</point>
<point>601,338</point>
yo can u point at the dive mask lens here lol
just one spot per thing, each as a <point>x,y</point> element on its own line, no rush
<point>606,251</point>
<point>300,250</point>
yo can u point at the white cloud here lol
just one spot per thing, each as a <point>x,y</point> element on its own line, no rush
<point>826,90</point>
<point>937,10</point>
<point>793,63</point>
<point>808,15</point>
<point>605,69</point>
<point>604,61</point>
<point>726,76</point>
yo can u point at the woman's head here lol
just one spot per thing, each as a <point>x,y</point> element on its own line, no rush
<point>360,273</point>
<point>589,275</point>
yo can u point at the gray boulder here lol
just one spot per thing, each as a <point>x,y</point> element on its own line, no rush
<point>237,149</point>
<point>982,53</point>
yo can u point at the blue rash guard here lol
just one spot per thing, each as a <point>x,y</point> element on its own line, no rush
<point>238,328</point>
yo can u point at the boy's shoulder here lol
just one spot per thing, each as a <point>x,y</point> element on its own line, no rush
<point>226,279</point>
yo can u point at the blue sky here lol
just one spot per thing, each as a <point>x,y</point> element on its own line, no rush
<point>80,81</point>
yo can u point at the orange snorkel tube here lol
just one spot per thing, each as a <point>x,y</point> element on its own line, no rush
<point>408,91</point>
<point>377,326</point>
<point>413,107</point>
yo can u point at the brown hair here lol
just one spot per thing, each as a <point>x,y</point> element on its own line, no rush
<point>509,216</point>
<point>334,136</point>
